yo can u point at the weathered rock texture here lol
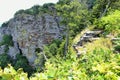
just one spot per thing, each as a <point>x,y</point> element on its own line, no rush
<point>30,32</point>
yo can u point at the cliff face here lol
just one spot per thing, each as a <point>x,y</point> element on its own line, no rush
<point>30,33</point>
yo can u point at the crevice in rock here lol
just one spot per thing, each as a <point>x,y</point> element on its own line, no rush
<point>17,45</point>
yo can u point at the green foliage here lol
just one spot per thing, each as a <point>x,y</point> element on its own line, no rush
<point>49,51</point>
<point>22,62</point>
<point>7,40</point>
<point>73,15</point>
<point>32,11</point>
<point>36,9</point>
<point>5,24</point>
<point>57,42</point>
<point>97,65</point>
<point>52,49</point>
<point>101,8</point>
<point>98,8</point>
<point>19,62</point>
<point>48,5</point>
<point>39,62</point>
<point>110,23</point>
<point>4,60</point>
<point>9,73</point>
<point>116,44</point>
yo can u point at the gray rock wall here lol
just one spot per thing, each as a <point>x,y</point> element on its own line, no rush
<point>31,32</point>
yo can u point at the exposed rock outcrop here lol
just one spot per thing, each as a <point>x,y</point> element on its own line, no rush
<point>88,36</point>
<point>30,32</point>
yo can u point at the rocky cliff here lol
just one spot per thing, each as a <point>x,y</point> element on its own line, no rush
<point>29,33</point>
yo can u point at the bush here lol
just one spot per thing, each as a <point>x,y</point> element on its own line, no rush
<point>4,60</point>
<point>46,6</point>
<point>19,62</point>
<point>99,64</point>
<point>7,40</point>
<point>9,73</point>
<point>22,62</point>
<point>110,23</point>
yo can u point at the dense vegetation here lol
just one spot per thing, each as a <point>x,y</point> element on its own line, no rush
<point>58,60</point>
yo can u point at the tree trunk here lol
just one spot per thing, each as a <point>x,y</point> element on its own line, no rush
<point>67,41</point>
<point>105,10</point>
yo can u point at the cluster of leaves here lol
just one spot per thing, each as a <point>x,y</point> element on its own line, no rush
<point>5,24</point>
<point>7,40</point>
<point>4,60</point>
<point>9,73</point>
<point>48,52</point>
<point>52,48</point>
<point>101,43</point>
<point>74,15</point>
<point>22,62</point>
<point>110,23</point>
<point>97,65</point>
<point>19,62</point>
<point>32,11</point>
<point>101,6</point>
<point>116,44</point>
<point>36,9</point>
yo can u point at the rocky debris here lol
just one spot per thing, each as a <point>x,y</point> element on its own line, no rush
<point>114,39</point>
<point>88,36</point>
<point>30,32</point>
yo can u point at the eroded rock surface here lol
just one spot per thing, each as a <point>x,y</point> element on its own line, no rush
<point>30,32</point>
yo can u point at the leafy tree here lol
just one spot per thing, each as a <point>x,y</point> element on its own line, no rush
<point>72,13</point>
<point>102,7</point>
<point>48,5</point>
<point>35,9</point>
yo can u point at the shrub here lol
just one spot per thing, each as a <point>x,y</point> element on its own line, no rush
<point>7,40</point>
<point>9,73</point>
<point>19,62</point>
<point>4,60</point>
<point>110,23</point>
<point>22,62</point>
